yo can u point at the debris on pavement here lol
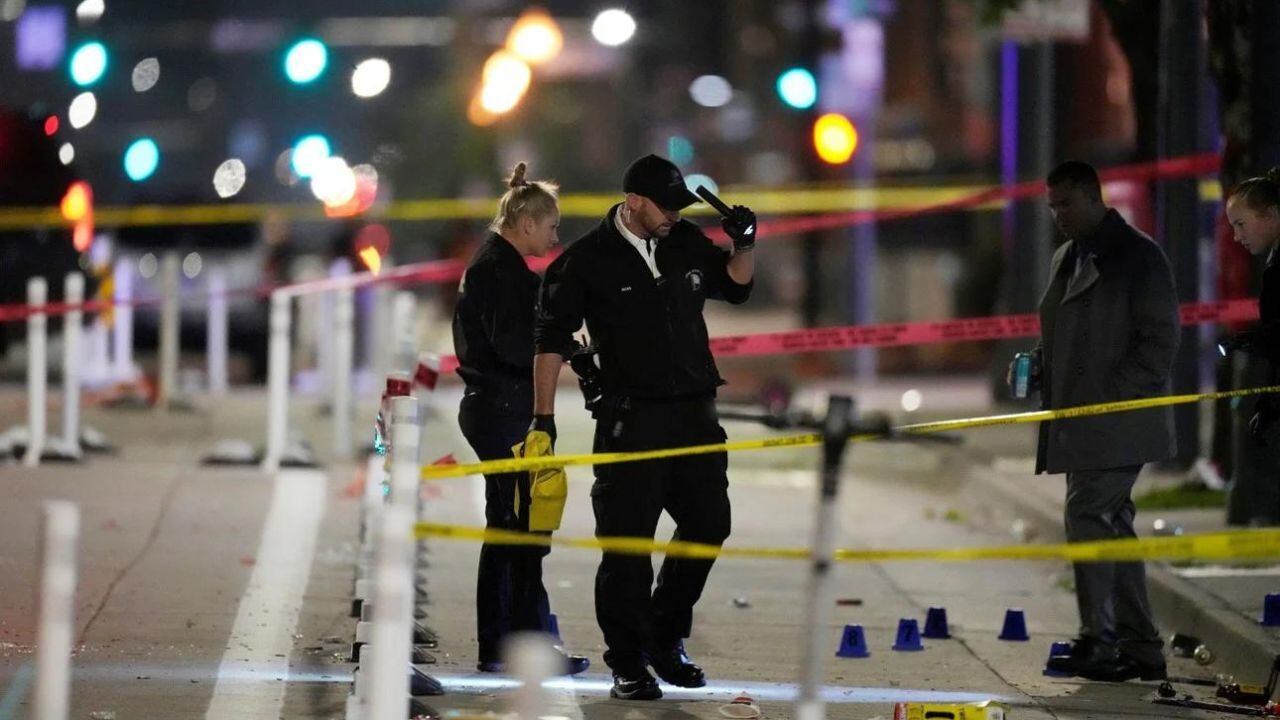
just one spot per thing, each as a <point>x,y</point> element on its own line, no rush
<point>742,706</point>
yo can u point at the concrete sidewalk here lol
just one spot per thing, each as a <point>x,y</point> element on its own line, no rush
<point>170,550</point>
<point>1220,603</point>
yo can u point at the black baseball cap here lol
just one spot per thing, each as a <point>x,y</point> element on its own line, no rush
<point>659,180</point>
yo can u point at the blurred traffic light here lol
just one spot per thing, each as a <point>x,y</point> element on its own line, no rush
<point>371,77</point>
<point>504,81</point>
<point>305,61</point>
<point>308,153</point>
<point>535,37</point>
<point>77,202</point>
<point>88,63</point>
<point>798,88</point>
<point>371,244</point>
<point>77,210</point>
<point>141,159</point>
<point>834,138</point>
<point>613,27</point>
<point>506,78</point>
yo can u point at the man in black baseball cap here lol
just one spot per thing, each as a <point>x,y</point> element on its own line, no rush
<point>640,280</point>
<point>659,180</point>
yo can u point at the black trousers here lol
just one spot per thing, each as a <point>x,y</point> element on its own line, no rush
<point>628,499</point>
<point>1254,499</point>
<point>510,596</point>
<point>1112,596</point>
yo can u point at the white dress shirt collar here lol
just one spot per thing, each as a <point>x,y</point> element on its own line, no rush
<point>648,249</point>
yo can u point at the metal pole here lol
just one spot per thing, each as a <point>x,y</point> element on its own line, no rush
<point>1178,200</point>
<point>343,347</point>
<point>123,312</point>
<point>57,610</point>
<point>216,338</point>
<point>73,294</point>
<point>37,370</point>
<point>169,269</point>
<point>277,381</point>
<point>835,435</point>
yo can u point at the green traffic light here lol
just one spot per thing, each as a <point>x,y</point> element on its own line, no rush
<point>141,159</point>
<point>305,61</point>
<point>798,88</point>
<point>88,63</point>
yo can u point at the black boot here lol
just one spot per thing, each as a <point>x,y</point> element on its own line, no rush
<point>672,664</point>
<point>635,684</point>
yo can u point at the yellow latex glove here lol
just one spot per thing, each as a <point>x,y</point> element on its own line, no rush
<point>548,489</point>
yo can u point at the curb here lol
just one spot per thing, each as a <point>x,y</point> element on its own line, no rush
<point>1179,605</point>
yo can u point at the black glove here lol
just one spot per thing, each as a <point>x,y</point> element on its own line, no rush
<point>1265,415</point>
<point>584,365</point>
<point>740,225</point>
<point>545,423</point>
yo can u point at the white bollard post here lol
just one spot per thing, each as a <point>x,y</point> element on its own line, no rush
<point>277,381</point>
<point>73,294</point>
<point>533,661</point>
<point>403,335</point>
<point>57,608</point>
<point>374,313</point>
<point>169,329</point>
<point>404,451</point>
<point>326,317</point>
<point>388,654</point>
<point>37,369</point>
<point>393,578</point>
<point>123,315</point>
<point>216,329</point>
<point>343,347</point>
<point>98,370</point>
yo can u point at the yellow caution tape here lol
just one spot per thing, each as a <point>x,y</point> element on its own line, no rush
<point>765,201</point>
<point>439,472</point>
<point>1230,545</point>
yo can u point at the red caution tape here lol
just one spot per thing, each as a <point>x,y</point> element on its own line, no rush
<point>1174,169</point>
<point>996,327</point>
<point>435,271</point>
<point>964,330</point>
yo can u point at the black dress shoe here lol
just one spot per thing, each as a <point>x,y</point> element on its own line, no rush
<point>1122,668</point>
<point>674,666</point>
<point>573,664</point>
<point>1083,652</point>
<point>637,685</point>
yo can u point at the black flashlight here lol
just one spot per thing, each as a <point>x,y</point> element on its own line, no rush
<point>705,193</point>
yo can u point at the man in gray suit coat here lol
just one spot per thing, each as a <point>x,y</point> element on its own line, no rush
<point>1108,331</point>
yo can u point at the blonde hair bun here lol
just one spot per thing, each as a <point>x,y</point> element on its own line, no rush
<point>536,198</point>
<point>517,176</point>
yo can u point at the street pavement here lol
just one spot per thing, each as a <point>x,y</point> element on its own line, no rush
<point>223,592</point>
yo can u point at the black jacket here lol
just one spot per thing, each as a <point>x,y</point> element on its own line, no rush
<point>1263,339</point>
<point>493,321</point>
<point>650,332</point>
<point>1108,332</point>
